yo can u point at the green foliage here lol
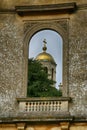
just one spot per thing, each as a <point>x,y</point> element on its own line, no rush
<point>38,83</point>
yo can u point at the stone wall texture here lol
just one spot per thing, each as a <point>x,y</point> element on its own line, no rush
<point>12,58</point>
<point>11,63</point>
<point>78,62</point>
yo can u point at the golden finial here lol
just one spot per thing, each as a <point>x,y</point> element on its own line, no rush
<point>44,47</point>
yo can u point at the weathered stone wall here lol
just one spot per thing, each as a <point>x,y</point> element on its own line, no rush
<point>11,63</point>
<point>78,62</point>
<point>10,3</point>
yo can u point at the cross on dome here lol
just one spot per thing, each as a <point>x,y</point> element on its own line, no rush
<point>44,41</point>
<point>44,47</point>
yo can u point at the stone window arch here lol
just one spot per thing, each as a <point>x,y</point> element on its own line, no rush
<point>30,28</point>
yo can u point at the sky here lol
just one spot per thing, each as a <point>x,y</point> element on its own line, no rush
<point>54,47</point>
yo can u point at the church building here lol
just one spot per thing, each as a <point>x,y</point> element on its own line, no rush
<point>48,62</point>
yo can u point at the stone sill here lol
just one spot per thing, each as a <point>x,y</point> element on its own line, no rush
<point>44,99</point>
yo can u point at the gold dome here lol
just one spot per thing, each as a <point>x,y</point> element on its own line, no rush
<point>45,57</point>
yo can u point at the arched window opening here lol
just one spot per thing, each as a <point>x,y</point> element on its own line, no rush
<point>54,44</point>
<point>45,48</point>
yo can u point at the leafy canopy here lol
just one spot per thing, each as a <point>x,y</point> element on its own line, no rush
<point>38,83</point>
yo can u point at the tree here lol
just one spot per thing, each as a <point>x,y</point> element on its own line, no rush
<point>38,83</point>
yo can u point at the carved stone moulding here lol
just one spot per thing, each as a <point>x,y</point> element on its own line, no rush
<point>58,8</point>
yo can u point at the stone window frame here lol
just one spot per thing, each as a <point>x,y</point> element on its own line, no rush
<point>32,27</point>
